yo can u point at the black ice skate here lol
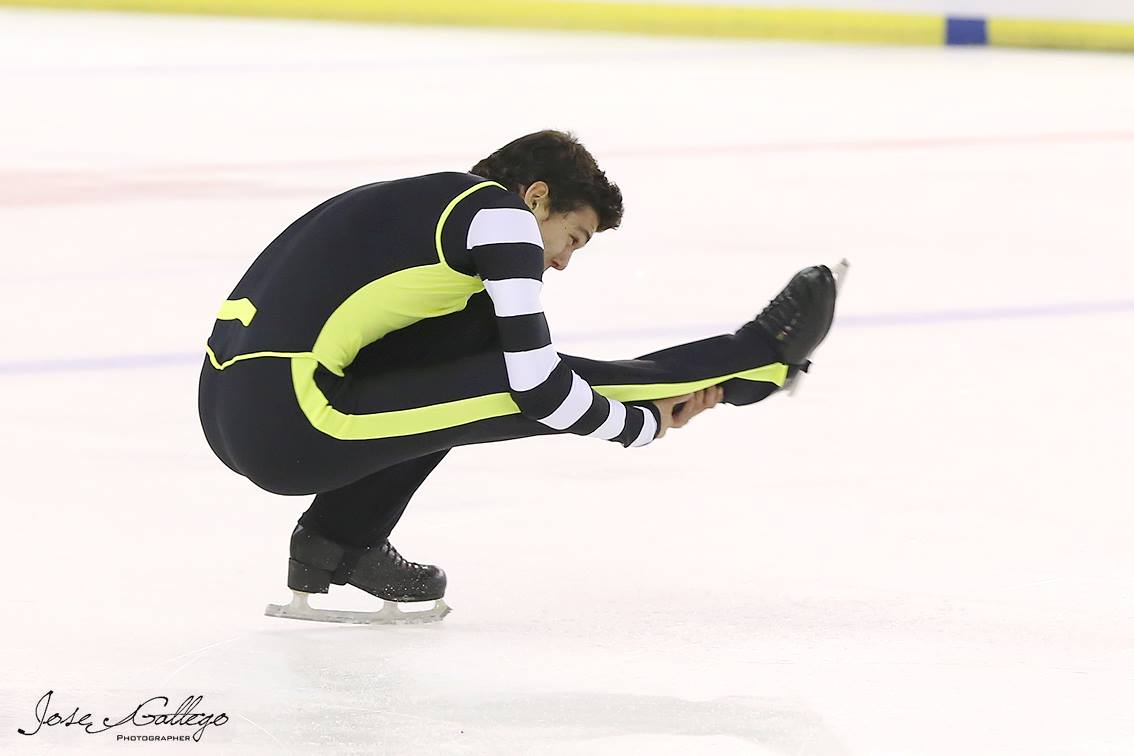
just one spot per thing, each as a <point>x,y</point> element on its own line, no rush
<point>800,316</point>
<point>317,562</point>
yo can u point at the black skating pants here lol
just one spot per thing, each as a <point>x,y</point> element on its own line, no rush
<point>253,422</point>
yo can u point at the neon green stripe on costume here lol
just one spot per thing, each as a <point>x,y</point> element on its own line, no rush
<point>384,305</point>
<point>775,373</point>
<point>395,301</point>
<point>407,422</point>
<point>388,304</point>
<point>238,309</point>
<point>344,427</point>
<point>449,209</point>
<point>251,355</point>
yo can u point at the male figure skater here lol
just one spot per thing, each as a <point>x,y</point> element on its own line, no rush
<point>401,319</point>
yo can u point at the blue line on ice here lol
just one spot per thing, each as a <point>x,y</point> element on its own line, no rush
<point>883,320</point>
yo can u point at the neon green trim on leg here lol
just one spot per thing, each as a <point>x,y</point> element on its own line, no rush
<point>325,418</point>
<point>407,422</point>
<point>775,373</point>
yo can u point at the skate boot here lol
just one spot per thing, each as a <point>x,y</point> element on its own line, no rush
<point>800,316</point>
<point>381,571</point>
<point>317,562</point>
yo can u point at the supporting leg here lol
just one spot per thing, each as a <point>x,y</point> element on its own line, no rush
<point>364,513</point>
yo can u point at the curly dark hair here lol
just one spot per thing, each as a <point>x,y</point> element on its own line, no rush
<point>559,160</point>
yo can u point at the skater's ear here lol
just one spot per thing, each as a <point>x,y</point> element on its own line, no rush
<point>537,196</point>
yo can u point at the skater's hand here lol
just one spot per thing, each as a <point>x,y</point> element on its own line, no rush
<point>677,411</point>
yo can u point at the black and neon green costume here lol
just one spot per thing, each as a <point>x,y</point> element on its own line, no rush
<point>362,345</point>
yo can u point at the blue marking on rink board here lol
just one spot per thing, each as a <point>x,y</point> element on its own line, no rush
<point>883,320</point>
<point>966,31</point>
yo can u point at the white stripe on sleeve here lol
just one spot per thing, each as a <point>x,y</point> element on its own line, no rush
<point>503,225</point>
<point>649,428</point>
<point>515,296</point>
<point>528,369</point>
<point>614,422</point>
<point>578,401</point>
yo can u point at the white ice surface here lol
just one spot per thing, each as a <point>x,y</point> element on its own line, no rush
<point>929,551</point>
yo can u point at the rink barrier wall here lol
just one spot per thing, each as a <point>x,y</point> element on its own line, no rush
<point>733,21</point>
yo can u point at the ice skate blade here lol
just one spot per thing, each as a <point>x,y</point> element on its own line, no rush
<point>389,614</point>
<point>839,271</point>
<point>840,274</point>
<point>791,385</point>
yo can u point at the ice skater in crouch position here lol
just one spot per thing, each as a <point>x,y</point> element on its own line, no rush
<point>401,319</point>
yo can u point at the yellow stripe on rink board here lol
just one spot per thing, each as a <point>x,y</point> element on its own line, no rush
<point>638,18</point>
<point>1068,35</point>
<point>739,22</point>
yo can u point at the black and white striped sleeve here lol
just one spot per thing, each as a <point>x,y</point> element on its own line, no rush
<point>506,249</point>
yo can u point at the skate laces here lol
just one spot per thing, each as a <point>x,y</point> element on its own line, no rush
<point>391,554</point>
<point>781,315</point>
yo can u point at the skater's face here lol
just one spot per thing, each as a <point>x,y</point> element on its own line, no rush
<point>562,233</point>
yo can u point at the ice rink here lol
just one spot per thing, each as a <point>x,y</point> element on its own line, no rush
<point>930,550</point>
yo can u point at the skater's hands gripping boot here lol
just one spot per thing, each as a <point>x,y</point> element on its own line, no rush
<point>676,411</point>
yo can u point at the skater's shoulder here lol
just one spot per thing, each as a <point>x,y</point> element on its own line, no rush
<point>454,188</point>
<point>463,182</point>
<point>444,181</point>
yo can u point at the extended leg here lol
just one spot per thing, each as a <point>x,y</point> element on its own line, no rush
<point>343,538</point>
<point>294,428</point>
